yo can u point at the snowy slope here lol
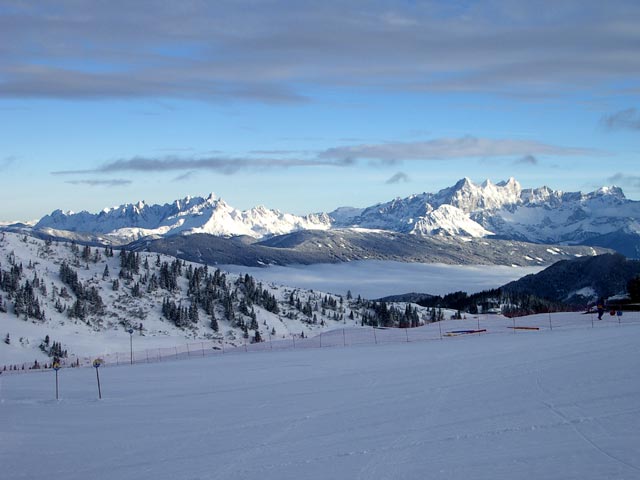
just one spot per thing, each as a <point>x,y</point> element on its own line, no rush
<point>106,332</point>
<point>560,404</point>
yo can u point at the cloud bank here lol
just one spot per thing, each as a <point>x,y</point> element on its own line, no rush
<point>452,148</point>
<point>271,51</point>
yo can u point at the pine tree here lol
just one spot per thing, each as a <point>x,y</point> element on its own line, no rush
<point>214,322</point>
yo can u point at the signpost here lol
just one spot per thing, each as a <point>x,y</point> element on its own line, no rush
<point>56,367</point>
<point>96,364</point>
<point>131,343</point>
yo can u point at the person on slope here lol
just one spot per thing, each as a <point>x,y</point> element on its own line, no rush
<point>600,308</point>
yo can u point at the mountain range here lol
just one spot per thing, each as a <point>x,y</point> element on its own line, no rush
<point>465,211</point>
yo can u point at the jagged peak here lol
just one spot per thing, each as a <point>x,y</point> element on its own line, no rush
<point>463,183</point>
<point>612,190</point>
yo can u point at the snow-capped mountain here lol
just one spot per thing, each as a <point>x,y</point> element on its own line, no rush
<point>209,215</point>
<point>502,210</point>
<point>506,210</point>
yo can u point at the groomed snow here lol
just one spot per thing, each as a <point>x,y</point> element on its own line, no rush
<point>560,404</point>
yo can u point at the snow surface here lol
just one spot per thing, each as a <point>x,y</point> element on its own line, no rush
<point>560,404</point>
<point>379,278</point>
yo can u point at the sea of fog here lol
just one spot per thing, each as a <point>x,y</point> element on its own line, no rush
<point>375,278</point>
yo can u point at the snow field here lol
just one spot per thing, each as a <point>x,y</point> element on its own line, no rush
<point>350,336</point>
<point>558,404</point>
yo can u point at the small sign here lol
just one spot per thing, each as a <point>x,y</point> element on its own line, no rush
<point>130,331</point>
<point>97,362</point>
<point>56,366</point>
<point>619,313</point>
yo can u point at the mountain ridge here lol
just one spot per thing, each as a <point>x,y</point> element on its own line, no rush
<point>503,210</point>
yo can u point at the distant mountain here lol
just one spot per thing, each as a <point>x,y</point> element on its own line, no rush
<point>568,284</point>
<point>343,245</point>
<point>465,210</point>
<point>504,210</point>
<point>579,280</point>
<point>190,215</point>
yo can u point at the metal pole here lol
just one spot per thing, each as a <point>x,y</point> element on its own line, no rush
<point>440,328</point>
<point>98,378</point>
<point>131,343</point>
<point>375,338</point>
<point>514,324</point>
<point>56,383</point>
<point>550,324</point>
<point>344,339</point>
<point>406,332</point>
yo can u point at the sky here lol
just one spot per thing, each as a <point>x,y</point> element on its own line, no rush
<point>309,106</point>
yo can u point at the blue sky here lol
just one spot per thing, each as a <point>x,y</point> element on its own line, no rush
<point>306,107</point>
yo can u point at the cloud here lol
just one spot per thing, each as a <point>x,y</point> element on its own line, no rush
<point>185,176</point>
<point>399,177</point>
<point>628,119</point>
<point>100,183</point>
<point>227,166</point>
<point>625,179</point>
<point>6,162</point>
<point>451,148</point>
<point>527,160</point>
<point>273,52</point>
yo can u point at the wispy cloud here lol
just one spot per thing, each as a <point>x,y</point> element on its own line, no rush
<point>100,183</point>
<point>625,179</point>
<point>185,176</point>
<point>399,177</point>
<point>222,165</point>
<point>6,162</point>
<point>452,148</point>
<point>527,160</point>
<point>270,52</point>
<point>628,119</point>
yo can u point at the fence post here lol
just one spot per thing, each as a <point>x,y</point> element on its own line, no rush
<point>440,328</point>
<point>406,332</point>
<point>550,324</point>
<point>344,339</point>
<point>188,351</point>
<point>320,339</point>
<point>202,348</point>
<point>293,337</point>
<point>375,338</point>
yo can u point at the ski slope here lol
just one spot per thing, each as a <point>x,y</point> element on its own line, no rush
<point>552,404</point>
